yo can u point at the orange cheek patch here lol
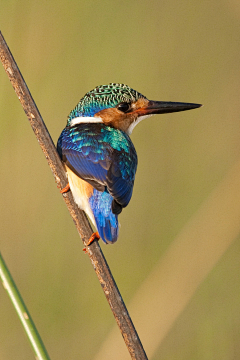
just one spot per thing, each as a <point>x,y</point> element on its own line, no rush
<point>119,120</point>
<point>109,115</point>
<point>115,118</point>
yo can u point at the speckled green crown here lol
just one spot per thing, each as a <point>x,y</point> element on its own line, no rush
<point>103,97</point>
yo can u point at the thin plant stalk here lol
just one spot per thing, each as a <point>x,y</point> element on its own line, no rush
<point>22,311</point>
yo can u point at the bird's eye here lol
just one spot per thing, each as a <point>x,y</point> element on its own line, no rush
<point>124,107</point>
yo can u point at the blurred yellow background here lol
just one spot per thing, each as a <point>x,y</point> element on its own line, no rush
<point>177,259</point>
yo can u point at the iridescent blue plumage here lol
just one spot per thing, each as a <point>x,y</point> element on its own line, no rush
<point>106,158</point>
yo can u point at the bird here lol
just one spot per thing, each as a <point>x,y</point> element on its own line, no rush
<point>99,156</point>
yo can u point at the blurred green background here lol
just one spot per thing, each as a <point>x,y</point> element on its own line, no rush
<point>185,51</point>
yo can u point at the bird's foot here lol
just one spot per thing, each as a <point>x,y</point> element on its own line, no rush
<point>65,189</point>
<point>94,236</point>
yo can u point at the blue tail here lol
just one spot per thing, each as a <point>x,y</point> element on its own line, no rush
<point>106,221</point>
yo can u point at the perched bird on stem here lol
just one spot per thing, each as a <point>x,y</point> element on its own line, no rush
<point>99,156</point>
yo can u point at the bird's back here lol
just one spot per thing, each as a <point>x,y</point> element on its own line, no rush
<point>104,158</point>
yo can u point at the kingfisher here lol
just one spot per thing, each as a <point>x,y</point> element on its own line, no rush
<point>99,156</point>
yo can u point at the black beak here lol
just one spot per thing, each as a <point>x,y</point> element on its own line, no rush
<point>163,107</point>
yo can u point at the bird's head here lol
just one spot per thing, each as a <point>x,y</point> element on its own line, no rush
<point>121,107</point>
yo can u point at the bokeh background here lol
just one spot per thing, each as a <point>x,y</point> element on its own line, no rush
<point>177,258</point>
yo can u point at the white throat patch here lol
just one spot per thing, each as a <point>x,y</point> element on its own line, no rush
<point>85,119</point>
<point>134,123</point>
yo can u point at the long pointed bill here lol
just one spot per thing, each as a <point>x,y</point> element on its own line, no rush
<point>162,107</point>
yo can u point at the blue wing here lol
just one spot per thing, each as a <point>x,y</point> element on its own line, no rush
<point>103,156</point>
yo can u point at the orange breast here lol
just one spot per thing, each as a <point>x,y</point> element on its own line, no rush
<point>85,190</point>
<point>81,191</point>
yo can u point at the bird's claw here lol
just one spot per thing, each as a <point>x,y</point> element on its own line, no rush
<point>94,236</point>
<point>65,189</point>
